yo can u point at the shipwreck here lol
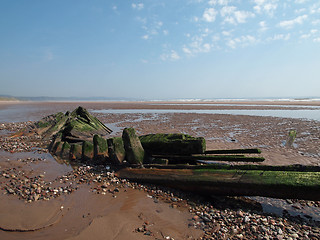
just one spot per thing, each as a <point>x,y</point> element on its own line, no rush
<point>175,160</point>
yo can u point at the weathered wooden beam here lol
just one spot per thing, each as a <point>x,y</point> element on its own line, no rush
<point>176,159</point>
<point>277,184</point>
<point>181,144</point>
<point>234,151</point>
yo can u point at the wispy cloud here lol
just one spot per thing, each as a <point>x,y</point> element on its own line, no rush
<point>241,41</point>
<point>137,6</point>
<point>234,16</point>
<point>276,37</point>
<point>171,56</point>
<point>290,23</point>
<point>266,6</point>
<point>218,2</point>
<point>209,15</point>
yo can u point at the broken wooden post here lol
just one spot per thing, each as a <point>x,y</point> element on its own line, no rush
<point>87,151</point>
<point>65,150</point>
<point>168,144</point>
<point>100,148</point>
<point>132,146</point>
<point>116,150</point>
<point>75,151</point>
<point>291,138</point>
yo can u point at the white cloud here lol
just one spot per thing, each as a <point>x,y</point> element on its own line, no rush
<point>219,2</point>
<point>171,56</point>
<point>165,32</point>
<point>210,14</point>
<point>284,37</point>
<point>317,40</point>
<point>263,26</point>
<point>301,10</point>
<point>310,34</point>
<point>231,15</point>
<point>145,37</point>
<point>137,6</point>
<point>241,16</point>
<point>187,50</point>
<point>316,22</point>
<point>290,23</point>
<point>300,1</point>
<point>267,6</point>
<point>227,10</point>
<point>314,9</point>
<point>226,33</point>
<point>242,41</point>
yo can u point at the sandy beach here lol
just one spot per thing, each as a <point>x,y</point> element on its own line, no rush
<point>45,198</point>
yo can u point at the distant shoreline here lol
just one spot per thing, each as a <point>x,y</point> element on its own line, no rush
<point>311,102</point>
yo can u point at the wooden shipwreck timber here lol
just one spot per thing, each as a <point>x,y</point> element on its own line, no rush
<point>175,160</point>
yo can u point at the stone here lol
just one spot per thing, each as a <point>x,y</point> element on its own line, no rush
<point>132,146</point>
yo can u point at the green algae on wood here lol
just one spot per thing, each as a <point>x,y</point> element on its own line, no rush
<point>100,148</point>
<point>234,151</point>
<point>165,144</point>
<point>75,151</point>
<point>278,184</point>
<point>87,151</point>
<point>132,146</point>
<point>291,138</point>
<point>65,150</point>
<point>116,150</point>
<point>193,159</point>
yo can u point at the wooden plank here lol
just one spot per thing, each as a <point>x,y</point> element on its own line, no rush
<point>234,151</point>
<point>277,184</point>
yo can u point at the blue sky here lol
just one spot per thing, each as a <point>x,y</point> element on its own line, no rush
<point>164,49</point>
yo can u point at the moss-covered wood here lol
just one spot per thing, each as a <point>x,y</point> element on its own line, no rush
<point>277,184</point>
<point>234,151</point>
<point>76,126</point>
<point>100,148</point>
<point>82,126</point>
<point>75,151</point>
<point>116,150</point>
<point>132,146</point>
<point>291,138</point>
<point>291,168</point>
<point>65,150</point>
<point>176,159</point>
<point>87,151</point>
<point>167,144</point>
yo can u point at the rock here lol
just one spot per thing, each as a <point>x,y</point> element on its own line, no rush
<point>132,146</point>
<point>116,150</point>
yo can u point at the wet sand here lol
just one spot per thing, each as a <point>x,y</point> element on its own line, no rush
<point>42,198</point>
